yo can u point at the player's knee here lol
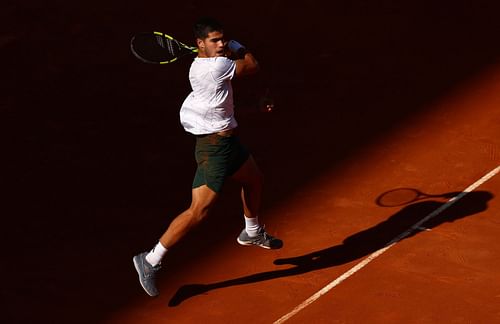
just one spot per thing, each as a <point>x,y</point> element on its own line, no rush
<point>258,179</point>
<point>198,213</point>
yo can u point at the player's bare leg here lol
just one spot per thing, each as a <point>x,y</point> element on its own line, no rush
<point>202,200</point>
<point>251,179</point>
<point>147,264</point>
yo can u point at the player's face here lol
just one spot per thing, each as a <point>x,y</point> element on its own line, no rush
<point>213,45</point>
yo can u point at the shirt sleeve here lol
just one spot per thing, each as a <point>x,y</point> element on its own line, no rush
<point>223,69</point>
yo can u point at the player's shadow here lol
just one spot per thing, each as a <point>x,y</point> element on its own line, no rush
<point>357,245</point>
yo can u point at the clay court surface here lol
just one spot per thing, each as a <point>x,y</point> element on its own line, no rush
<point>369,98</point>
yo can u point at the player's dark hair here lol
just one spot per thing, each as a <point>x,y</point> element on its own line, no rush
<point>205,25</point>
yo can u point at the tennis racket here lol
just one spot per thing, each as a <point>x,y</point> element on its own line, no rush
<point>404,196</point>
<point>159,48</point>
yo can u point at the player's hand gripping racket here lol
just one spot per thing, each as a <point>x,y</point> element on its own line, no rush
<point>405,196</point>
<point>159,48</point>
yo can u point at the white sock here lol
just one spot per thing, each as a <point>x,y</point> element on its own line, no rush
<point>157,253</point>
<point>252,226</point>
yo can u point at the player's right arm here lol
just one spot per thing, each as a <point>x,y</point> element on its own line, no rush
<point>246,64</point>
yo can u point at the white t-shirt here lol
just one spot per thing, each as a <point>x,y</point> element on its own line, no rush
<point>209,107</point>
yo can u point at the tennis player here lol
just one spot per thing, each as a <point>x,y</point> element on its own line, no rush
<point>208,113</point>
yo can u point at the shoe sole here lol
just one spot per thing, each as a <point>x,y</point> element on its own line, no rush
<point>249,243</point>
<point>136,265</point>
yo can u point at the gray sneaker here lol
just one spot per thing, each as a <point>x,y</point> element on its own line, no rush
<point>147,274</point>
<point>262,239</point>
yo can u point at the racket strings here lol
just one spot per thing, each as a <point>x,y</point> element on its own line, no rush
<point>171,46</point>
<point>158,48</point>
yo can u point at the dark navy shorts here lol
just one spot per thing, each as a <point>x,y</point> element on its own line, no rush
<point>218,157</point>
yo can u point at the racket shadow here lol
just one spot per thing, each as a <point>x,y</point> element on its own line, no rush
<point>353,247</point>
<point>404,196</point>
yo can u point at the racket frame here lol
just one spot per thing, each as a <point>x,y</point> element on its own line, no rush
<point>189,49</point>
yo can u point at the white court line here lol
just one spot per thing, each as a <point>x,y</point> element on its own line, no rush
<point>377,253</point>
